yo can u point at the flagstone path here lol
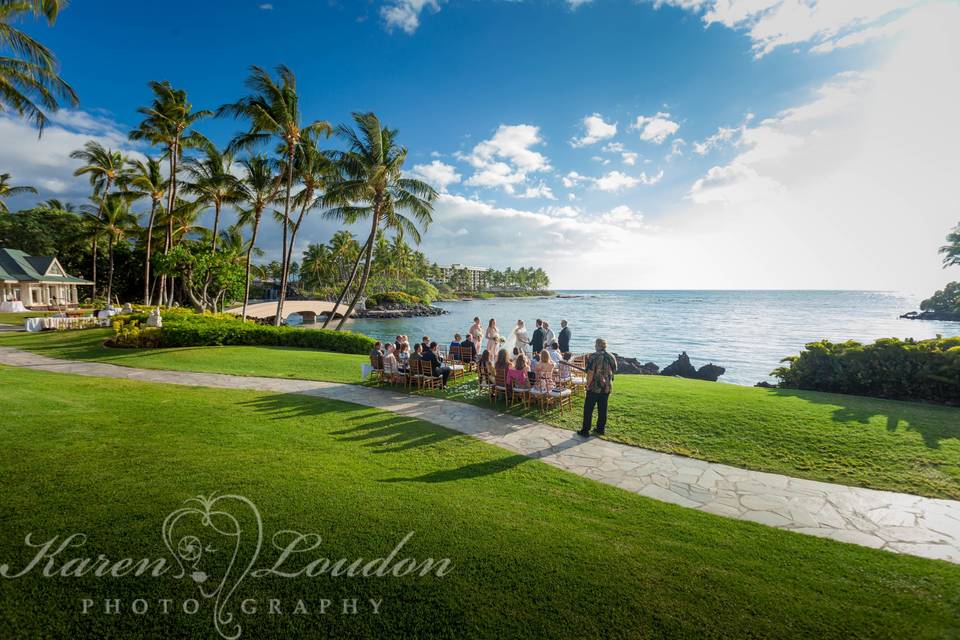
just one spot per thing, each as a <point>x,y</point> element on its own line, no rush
<point>897,522</point>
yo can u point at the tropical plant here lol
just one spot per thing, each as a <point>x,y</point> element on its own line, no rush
<point>312,169</point>
<point>208,278</point>
<point>371,186</point>
<point>951,250</point>
<point>54,204</point>
<point>273,112</point>
<point>259,187</point>
<point>115,221</point>
<point>29,73</point>
<point>7,190</point>
<point>148,181</point>
<point>168,122</point>
<point>212,183</point>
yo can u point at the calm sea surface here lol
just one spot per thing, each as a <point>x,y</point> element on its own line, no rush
<point>748,332</point>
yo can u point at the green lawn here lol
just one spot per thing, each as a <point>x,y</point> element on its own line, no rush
<point>536,552</point>
<point>899,446</point>
<point>7,317</point>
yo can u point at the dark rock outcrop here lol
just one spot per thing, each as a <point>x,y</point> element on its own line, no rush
<point>395,310</point>
<point>763,384</point>
<point>681,367</point>
<point>632,366</point>
<point>949,316</point>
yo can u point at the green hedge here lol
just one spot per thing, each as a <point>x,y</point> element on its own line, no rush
<point>889,368</point>
<point>187,329</point>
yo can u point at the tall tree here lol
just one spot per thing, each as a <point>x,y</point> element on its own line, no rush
<point>212,182</point>
<point>168,123</point>
<point>29,73</point>
<point>148,182</point>
<point>273,112</point>
<point>951,250</point>
<point>116,221</point>
<point>7,190</point>
<point>55,204</point>
<point>260,186</point>
<point>104,167</point>
<point>313,169</point>
<point>371,186</point>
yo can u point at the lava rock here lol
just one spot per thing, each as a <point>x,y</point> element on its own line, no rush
<point>632,366</point>
<point>681,367</point>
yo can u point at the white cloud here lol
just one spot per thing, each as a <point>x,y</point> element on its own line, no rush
<point>656,128</point>
<point>776,23</point>
<point>733,184</point>
<point>506,159</point>
<point>541,190</point>
<point>676,148</point>
<point>573,178</point>
<point>437,173</point>
<point>563,211</point>
<point>595,129</point>
<point>723,136</point>
<point>574,4</point>
<point>623,216</point>
<point>405,14</point>
<point>616,181</point>
<point>266,6</point>
<point>629,157</point>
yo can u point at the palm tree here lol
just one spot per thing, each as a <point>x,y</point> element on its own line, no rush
<point>7,190</point>
<point>54,204</point>
<point>951,250</point>
<point>273,110</point>
<point>371,185</point>
<point>29,80</point>
<point>212,182</point>
<point>168,123</point>
<point>183,221</point>
<point>115,221</point>
<point>259,187</point>
<point>318,267</point>
<point>148,182</point>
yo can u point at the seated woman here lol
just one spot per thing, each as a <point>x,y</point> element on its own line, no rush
<point>502,365</point>
<point>516,354</point>
<point>545,371</point>
<point>403,357</point>
<point>390,365</point>
<point>517,374</point>
<point>485,370</point>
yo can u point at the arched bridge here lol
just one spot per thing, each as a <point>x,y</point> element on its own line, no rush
<point>307,309</point>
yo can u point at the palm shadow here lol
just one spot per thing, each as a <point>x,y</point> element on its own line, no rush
<point>933,422</point>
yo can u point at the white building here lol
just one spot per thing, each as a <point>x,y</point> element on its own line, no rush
<point>37,281</point>
<point>477,275</point>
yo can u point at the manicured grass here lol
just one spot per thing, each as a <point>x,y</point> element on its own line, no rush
<point>536,552</point>
<point>883,444</point>
<point>8,317</point>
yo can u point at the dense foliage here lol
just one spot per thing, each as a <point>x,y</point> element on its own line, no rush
<point>183,328</point>
<point>945,300</point>
<point>889,368</point>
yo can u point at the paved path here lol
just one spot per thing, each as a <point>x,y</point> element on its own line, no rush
<point>897,522</point>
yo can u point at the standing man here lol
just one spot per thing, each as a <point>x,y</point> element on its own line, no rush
<point>600,369</point>
<point>564,339</point>
<point>536,342</point>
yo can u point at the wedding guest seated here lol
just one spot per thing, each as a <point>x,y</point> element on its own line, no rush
<point>425,342</point>
<point>517,375</point>
<point>554,351</point>
<point>417,353</point>
<point>436,364</point>
<point>503,364</point>
<point>455,353</point>
<point>544,369</point>
<point>516,353</point>
<point>403,357</point>
<point>485,370</point>
<point>467,350</point>
<point>397,343</point>
<point>390,365</point>
<point>377,349</point>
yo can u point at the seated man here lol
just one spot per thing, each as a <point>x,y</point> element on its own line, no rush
<point>439,369</point>
<point>467,351</point>
<point>377,349</point>
<point>417,353</point>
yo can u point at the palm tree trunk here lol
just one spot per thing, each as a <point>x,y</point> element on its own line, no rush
<point>346,288</point>
<point>146,267</point>
<point>366,269</point>
<point>93,295</point>
<point>216,225</point>
<point>246,286</point>
<point>110,272</point>
<point>286,225</point>
<point>288,258</point>
<point>171,200</point>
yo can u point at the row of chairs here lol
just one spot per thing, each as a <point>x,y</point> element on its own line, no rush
<point>556,391</point>
<point>420,374</point>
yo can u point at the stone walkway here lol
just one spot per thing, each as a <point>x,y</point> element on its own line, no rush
<point>896,522</point>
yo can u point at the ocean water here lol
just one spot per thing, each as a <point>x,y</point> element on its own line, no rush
<point>748,332</point>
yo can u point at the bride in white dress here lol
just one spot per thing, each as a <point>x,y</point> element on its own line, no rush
<point>520,338</point>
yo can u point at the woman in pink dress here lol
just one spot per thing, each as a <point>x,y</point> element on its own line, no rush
<point>493,337</point>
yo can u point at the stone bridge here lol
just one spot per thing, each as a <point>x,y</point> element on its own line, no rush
<point>307,309</point>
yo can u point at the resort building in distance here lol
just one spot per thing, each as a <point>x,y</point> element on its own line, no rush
<point>36,281</point>
<point>476,276</point>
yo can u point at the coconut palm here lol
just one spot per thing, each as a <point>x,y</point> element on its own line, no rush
<point>183,220</point>
<point>259,186</point>
<point>116,221</point>
<point>148,182</point>
<point>168,123</point>
<point>211,181</point>
<point>7,190</point>
<point>951,250</point>
<point>273,110</point>
<point>54,204</point>
<point>371,186</point>
<point>29,80</point>
<point>312,169</point>
<point>104,167</point>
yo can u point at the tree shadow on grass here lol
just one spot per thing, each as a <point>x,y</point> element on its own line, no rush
<point>933,422</point>
<point>384,432</point>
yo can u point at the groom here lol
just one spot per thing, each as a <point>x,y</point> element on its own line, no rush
<point>536,342</point>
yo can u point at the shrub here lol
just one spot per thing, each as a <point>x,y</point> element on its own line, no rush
<point>184,328</point>
<point>888,368</point>
<point>393,297</point>
<point>946,300</point>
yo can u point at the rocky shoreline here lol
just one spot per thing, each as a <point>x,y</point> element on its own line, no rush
<point>393,310</point>
<point>947,316</point>
<point>680,367</point>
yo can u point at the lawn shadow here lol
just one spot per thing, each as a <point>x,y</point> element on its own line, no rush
<point>933,422</point>
<point>379,430</point>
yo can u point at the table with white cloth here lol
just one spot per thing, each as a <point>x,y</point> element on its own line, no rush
<point>86,322</point>
<point>12,306</point>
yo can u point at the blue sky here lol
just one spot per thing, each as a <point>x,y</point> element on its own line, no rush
<point>576,135</point>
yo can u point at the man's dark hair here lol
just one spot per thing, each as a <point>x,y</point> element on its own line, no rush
<point>433,345</point>
<point>539,322</point>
